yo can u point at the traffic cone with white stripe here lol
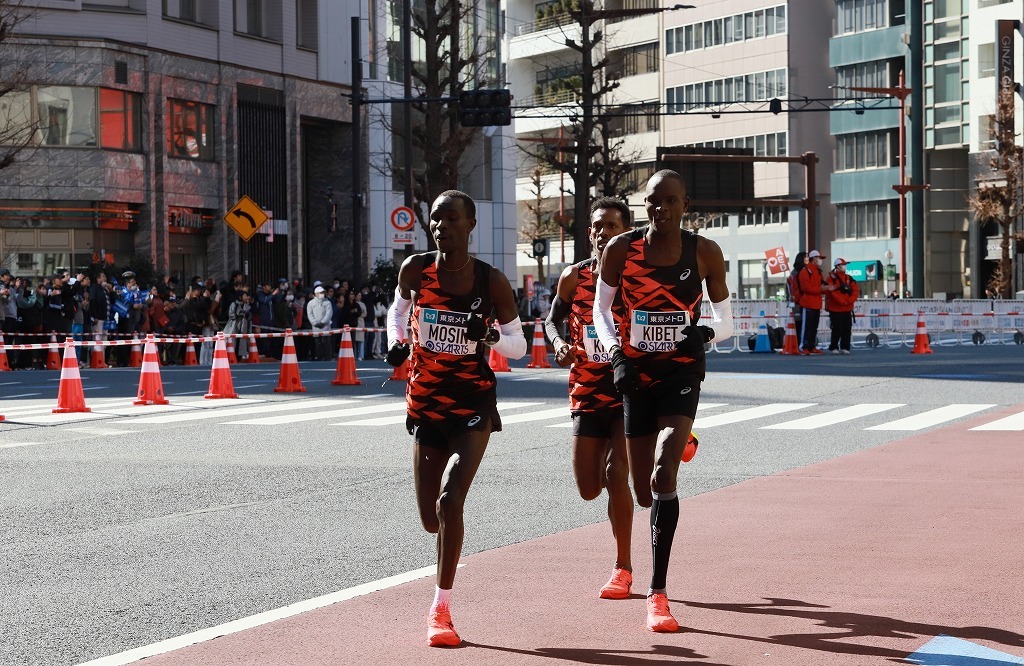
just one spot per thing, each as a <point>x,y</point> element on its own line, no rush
<point>232,359</point>
<point>289,380</point>
<point>151,388</point>
<point>921,343</point>
<point>539,350</point>
<point>346,372</point>
<point>190,352</point>
<point>135,360</point>
<point>790,345</point>
<point>53,356</point>
<point>96,358</point>
<point>254,354</point>
<point>4,365</point>
<point>70,396</point>
<point>401,373</point>
<point>221,385</point>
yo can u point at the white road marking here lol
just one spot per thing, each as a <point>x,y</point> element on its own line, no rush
<point>1012,422</point>
<point>749,414</point>
<point>392,420</point>
<point>834,416</point>
<point>260,619</point>
<point>207,413</point>
<point>560,412</point>
<point>308,415</point>
<point>12,445</point>
<point>931,417</point>
<point>20,395</point>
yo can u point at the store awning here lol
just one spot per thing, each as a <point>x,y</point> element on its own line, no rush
<point>865,271</point>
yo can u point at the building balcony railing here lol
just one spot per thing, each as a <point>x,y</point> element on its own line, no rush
<point>544,23</point>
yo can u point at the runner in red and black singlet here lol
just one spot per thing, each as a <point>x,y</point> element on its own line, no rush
<point>450,395</point>
<point>450,377</point>
<point>598,438</point>
<point>658,363</point>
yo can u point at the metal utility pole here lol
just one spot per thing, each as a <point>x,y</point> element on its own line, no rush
<point>407,93</point>
<point>357,152</point>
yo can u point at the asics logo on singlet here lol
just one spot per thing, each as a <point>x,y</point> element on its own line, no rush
<point>476,303</point>
<point>685,391</point>
<point>473,421</point>
<point>685,274</point>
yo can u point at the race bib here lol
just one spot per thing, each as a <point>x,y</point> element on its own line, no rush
<point>444,332</point>
<point>595,350</point>
<point>657,331</point>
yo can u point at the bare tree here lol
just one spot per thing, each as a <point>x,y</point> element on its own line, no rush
<point>18,129</point>
<point>452,62</point>
<point>539,221</point>
<point>999,200</point>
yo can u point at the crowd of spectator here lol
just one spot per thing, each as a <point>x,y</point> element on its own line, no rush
<point>90,305</point>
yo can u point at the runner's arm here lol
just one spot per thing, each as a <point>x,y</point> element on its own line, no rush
<point>511,342</point>
<point>613,260</point>
<point>398,313</point>
<point>561,305</point>
<point>712,266</point>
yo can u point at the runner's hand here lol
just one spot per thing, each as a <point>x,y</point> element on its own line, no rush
<point>696,338</point>
<point>397,354</point>
<point>564,355</point>
<point>624,372</point>
<point>476,328</point>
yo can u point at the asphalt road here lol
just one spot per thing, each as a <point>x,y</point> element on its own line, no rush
<point>135,524</point>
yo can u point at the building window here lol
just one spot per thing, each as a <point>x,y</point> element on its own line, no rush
<point>736,28</point>
<point>747,88</point>
<point>859,15</point>
<point>987,60</point>
<point>640,60</point>
<point>190,128</point>
<point>66,115</point>
<point>865,150</point>
<point>120,120</point>
<point>184,10</point>
<point>306,26</point>
<point>864,220</point>
<point>640,119</point>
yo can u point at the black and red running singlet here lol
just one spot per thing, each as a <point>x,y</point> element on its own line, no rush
<point>660,302</point>
<point>591,387</point>
<point>449,373</point>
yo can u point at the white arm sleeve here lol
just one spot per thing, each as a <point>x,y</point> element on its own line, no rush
<point>604,320</point>
<point>721,323</point>
<point>512,343</point>
<point>398,317</point>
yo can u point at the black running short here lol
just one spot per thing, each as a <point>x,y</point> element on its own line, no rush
<point>676,395</point>
<point>439,434</point>
<point>599,424</point>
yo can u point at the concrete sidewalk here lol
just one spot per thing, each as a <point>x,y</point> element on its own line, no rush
<point>859,560</point>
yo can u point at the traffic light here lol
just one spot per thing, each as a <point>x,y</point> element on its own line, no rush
<point>540,247</point>
<point>481,108</point>
<point>775,105</point>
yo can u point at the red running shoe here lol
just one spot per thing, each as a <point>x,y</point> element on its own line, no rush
<point>440,631</point>
<point>618,586</point>
<point>659,617</point>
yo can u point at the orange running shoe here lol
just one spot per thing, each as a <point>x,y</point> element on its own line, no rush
<point>440,631</point>
<point>618,586</point>
<point>690,449</point>
<point>659,617</point>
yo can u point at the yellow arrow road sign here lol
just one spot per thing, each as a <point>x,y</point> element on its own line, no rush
<point>245,217</point>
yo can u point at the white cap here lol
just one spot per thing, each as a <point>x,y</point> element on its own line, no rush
<point>318,290</point>
<point>815,254</point>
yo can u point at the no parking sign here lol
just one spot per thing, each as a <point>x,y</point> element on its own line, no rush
<point>402,221</point>
<point>777,261</point>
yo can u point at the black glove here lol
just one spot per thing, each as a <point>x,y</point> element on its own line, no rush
<point>624,372</point>
<point>696,338</point>
<point>476,328</point>
<point>397,354</point>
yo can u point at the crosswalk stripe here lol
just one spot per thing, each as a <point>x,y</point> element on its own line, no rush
<point>749,414</point>
<point>308,415</point>
<point>931,417</point>
<point>559,412</point>
<point>201,414</point>
<point>1012,422</point>
<point>833,417</point>
<point>392,420</point>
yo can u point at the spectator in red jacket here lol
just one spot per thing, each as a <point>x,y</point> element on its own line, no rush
<point>839,303</point>
<point>812,286</point>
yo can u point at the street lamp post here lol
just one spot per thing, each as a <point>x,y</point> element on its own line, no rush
<point>900,92</point>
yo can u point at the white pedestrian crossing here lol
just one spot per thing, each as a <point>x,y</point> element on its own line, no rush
<point>931,418</point>
<point>207,414</point>
<point>833,417</point>
<point>1012,422</point>
<point>315,415</point>
<point>400,418</point>
<point>749,414</point>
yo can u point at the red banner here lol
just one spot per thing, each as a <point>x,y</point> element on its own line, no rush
<point>777,261</point>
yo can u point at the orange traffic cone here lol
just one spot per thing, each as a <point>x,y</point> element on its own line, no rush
<point>254,354</point>
<point>401,373</point>
<point>921,343</point>
<point>221,385</point>
<point>53,356</point>
<point>289,380</point>
<point>70,397</point>
<point>151,388</point>
<point>4,365</point>
<point>190,352</point>
<point>135,360</point>
<point>498,362</point>
<point>346,373</point>
<point>96,359</point>
<point>539,350</point>
<point>231,350</point>
<point>790,345</point>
